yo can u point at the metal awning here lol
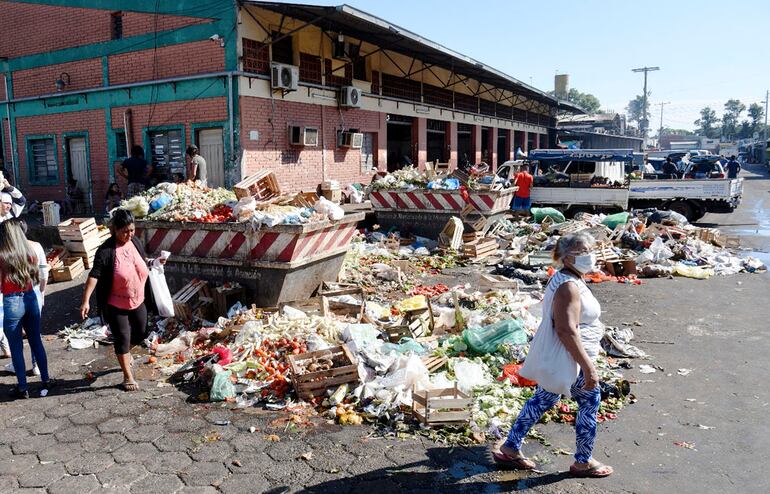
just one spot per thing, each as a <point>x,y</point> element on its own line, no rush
<point>582,154</point>
<point>372,29</point>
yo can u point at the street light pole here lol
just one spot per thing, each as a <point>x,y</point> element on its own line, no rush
<point>764,131</point>
<point>660,130</point>
<point>645,121</point>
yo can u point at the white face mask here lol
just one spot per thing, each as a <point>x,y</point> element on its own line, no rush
<point>585,263</point>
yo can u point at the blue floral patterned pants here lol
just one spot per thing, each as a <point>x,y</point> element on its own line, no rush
<point>585,423</point>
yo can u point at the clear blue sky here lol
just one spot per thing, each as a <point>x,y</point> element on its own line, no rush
<point>708,50</point>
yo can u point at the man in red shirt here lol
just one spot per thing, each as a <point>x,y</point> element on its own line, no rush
<point>523,180</point>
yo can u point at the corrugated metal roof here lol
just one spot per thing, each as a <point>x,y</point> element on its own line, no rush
<point>370,28</point>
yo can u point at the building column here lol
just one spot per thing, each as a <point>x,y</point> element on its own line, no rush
<point>382,143</point>
<point>537,141</point>
<point>451,143</point>
<point>493,148</point>
<point>525,142</point>
<point>420,141</point>
<point>509,145</point>
<point>476,143</point>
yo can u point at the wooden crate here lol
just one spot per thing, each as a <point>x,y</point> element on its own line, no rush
<point>398,332</point>
<point>451,237</point>
<point>481,248</point>
<point>71,268</point>
<point>88,259</point>
<point>580,180</point>
<point>329,307</point>
<point>437,407</point>
<point>225,296</point>
<point>419,321</point>
<point>434,363</point>
<point>193,296</point>
<point>498,282</point>
<point>605,254</point>
<point>262,186</point>
<point>305,199</point>
<point>77,229</point>
<point>310,385</point>
<point>51,215</point>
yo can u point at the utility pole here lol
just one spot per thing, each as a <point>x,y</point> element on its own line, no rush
<point>764,131</point>
<point>660,130</point>
<point>644,124</point>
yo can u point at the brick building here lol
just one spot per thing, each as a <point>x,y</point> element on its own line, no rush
<point>86,79</point>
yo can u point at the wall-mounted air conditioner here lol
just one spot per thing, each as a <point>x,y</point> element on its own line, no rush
<point>353,140</point>
<point>350,97</point>
<point>303,136</point>
<point>284,76</point>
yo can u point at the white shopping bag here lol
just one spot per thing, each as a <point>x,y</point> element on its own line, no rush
<point>549,363</point>
<point>160,291</point>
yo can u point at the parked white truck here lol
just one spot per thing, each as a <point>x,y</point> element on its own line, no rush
<point>595,180</point>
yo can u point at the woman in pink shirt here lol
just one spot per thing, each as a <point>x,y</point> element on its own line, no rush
<point>119,276</point>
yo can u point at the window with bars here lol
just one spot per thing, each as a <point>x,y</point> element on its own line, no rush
<point>121,149</point>
<point>487,107</point>
<point>375,82</point>
<point>399,87</point>
<point>116,25</point>
<point>309,68</point>
<point>438,96</point>
<point>283,49</point>
<point>338,78</point>
<point>256,57</point>
<point>41,158</point>
<point>467,103</point>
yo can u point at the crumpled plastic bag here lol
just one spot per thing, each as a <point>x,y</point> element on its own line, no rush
<point>695,272</point>
<point>616,219</point>
<point>245,208</point>
<point>249,334</point>
<point>469,375</point>
<point>359,335</point>
<point>333,211</point>
<point>181,343</point>
<point>386,272</point>
<point>412,373</point>
<point>138,206</point>
<point>616,343</point>
<point>487,339</point>
<point>656,253</point>
<point>222,387</point>
<point>539,214</point>
<point>356,196</point>
<point>412,303</point>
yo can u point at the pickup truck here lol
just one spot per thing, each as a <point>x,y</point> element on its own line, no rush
<point>692,198</point>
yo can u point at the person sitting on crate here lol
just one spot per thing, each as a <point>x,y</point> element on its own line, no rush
<point>119,275</point>
<point>113,197</point>
<point>73,198</point>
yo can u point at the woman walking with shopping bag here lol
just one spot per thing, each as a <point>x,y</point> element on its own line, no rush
<point>561,359</point>
<point>19,272</point>
<point>119,276</point>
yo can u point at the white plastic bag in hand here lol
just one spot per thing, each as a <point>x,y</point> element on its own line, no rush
<point>549,363</point>
<point>160,291</point>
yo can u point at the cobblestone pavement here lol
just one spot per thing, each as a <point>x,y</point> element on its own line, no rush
<point>90,437</point>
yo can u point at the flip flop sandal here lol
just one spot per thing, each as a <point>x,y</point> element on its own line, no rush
<point>595,472</point>
<point>503,459</point>
<point>129,386</point>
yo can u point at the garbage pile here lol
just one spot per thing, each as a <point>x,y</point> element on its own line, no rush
<point>194,202</point>
<point>410,178</point>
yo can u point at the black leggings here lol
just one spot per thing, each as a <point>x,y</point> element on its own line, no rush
<point>128,327</point>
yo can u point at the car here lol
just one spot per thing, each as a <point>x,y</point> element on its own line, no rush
<point>705,167</point>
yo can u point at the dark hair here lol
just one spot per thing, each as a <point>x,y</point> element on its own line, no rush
<point>732,157</point>
<point>137,151</point>
<point>21,223</point>
<point>121,218</point>
<point>192,150</point>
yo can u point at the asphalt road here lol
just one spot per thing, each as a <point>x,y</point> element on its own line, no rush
<point>90,437</point>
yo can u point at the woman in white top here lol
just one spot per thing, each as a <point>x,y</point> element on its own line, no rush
<point>571,310</point>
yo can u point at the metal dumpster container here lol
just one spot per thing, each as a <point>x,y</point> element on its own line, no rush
<point>425,212</point>
<point>277,264</point>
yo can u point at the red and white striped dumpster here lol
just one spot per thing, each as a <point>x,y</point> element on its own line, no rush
<point>425,212</point>
<point>279,264</point>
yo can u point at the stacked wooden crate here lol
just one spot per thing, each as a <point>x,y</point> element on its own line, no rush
<point>480,248</point>
<point>82,237</point>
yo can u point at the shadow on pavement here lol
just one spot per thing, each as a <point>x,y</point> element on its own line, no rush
<point>63,386</point>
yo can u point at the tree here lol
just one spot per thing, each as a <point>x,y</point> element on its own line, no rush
<point>733,110</point>
<point>635,109</point>
<point>677,132</point>
<point>586,101</point>
<point>708,123</point>
<point>756,114</point>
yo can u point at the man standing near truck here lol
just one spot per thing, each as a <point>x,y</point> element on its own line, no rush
<point>733,167</point>
<point>521,199</point>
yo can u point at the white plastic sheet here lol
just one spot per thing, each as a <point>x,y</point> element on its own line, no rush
<point>160,291</point>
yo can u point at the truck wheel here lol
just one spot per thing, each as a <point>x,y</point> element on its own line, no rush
<point>699,211</point>
<point>684,208</point>
<point>575,211</point>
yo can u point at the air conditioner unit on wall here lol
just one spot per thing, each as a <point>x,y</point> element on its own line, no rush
<point>284,76</point>
<point>303,136</point>
<point>344,50</point>
<point>350,97</point>
<point>353,140</point>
